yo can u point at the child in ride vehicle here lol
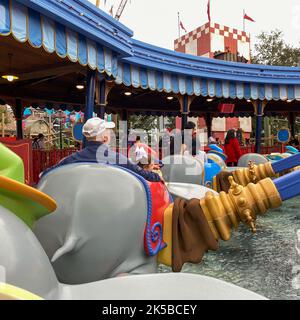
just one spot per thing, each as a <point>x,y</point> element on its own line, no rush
<point>147,163</point>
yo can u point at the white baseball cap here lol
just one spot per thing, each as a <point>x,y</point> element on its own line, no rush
<point>95,126</point>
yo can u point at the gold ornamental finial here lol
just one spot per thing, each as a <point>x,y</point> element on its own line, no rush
<point>252,173</point>
<point>225,210</point>
<point>235,187</point>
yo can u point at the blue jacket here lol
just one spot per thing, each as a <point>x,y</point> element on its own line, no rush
<point>97,152</point>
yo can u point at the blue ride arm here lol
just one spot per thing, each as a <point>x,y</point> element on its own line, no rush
<point>288,186</point>
<point>286,164</point>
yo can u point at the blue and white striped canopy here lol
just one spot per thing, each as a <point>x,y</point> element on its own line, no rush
<point>26,24</point>
<point>132,75</point>
<point>148,67</point>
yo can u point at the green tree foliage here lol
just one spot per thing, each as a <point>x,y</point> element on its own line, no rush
<point>170,122</point>
<point>148,123</point>
<point>271,49</point>
<point>143,122</point>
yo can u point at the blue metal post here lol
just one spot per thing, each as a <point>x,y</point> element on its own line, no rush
<point>208,121</point>
<point>286,164</point>
<point>90,97</point>
<point>184,112</point>
<point>259,122</point>
<point>288,185</point>
<point>102,88</point>
<point>90,94</point>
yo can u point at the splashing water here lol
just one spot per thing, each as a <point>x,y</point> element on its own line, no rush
<point>267,263</point>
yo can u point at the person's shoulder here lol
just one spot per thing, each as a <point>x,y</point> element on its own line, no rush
<point>67,160</point>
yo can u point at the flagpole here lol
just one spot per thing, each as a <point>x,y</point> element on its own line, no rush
<point>179,26</point>
<point>244,25</point>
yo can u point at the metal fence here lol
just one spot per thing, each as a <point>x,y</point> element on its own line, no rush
<point>44,159</point>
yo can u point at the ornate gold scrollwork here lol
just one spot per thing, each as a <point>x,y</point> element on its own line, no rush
<point>241,204</point>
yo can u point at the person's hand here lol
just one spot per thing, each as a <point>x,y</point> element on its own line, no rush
<point>156,166</point>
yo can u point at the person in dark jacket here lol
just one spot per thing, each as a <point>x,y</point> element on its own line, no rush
<point>190,138</point>
<point>232,149</point>
<point>98,133</point>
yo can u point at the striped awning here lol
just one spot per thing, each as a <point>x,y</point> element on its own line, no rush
<point>140,77</point>
<point>27,25</point>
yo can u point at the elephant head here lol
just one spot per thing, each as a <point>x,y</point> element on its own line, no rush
<point>23,260</point>
<point>97,231</point>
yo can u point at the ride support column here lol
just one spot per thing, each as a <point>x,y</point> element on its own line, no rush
<point>260,105</point>
<point>185,112</point>
<point>19,116</point>
<point>208,121</point>
<point>90,97</point>
<point>90,94</point>
<point>102,88</point>
<point>292,123</point>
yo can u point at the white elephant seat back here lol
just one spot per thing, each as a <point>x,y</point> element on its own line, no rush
<point>255,157</point>
<point>183,169</point>
<point>98,230</point>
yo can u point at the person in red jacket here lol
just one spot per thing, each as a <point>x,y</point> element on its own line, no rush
<point>232,148</point>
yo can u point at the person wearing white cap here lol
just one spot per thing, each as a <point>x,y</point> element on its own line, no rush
<point>98,133</point>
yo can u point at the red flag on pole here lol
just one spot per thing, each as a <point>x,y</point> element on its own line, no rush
<point>182,26</point>
<point>208,11</point>
<point>248,18</point>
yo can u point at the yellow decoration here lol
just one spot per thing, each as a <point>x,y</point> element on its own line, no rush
<point>165,255</point>
<point>9,292</point>
<point>215,186</point>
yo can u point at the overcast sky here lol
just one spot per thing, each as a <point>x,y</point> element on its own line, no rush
<point>155,21</point>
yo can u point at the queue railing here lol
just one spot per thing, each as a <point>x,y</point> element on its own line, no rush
<point>44,159</point>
